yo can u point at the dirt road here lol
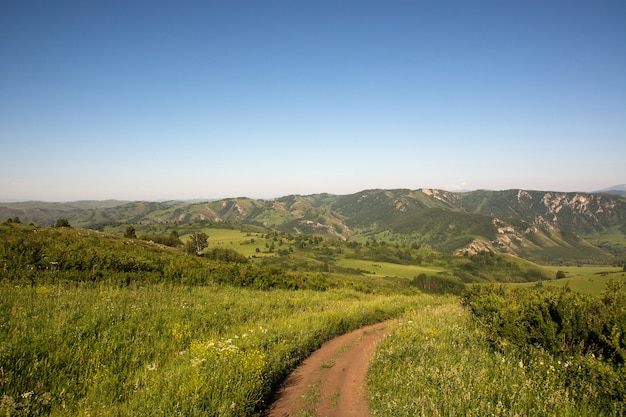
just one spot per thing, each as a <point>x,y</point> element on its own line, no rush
<point>331,382</point>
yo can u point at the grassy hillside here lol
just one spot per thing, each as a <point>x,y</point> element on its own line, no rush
<point>546,227</point>
<point>583,279</point>
<point>99,324</point>
<point>508,352</point>
<point>298,252</point>
<point>173,350</point>
<point>272,259</point>
<point>46,214</point>
<point>35,255</point>
<point>31,255</point>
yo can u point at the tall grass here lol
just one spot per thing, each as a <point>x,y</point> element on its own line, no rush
<point>438,362</point>
<point>100,350</point>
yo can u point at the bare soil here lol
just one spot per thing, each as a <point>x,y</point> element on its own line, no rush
<point>332,381</point>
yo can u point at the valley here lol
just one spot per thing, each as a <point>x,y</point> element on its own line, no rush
<point>540,226</point>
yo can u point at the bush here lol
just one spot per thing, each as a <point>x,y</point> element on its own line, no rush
<point>225,254</point>
<point>585,330</point>
<point>439,284</point>
<point>167,240</point>
<point>62,223</point>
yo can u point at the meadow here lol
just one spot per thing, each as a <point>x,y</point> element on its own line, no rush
<point>93,324</point>
<point>167,350</point>
<point>505,353</point>
<point>585,279</point>
<point>388,268</point>
<point>301,252</point>
<point>586,270</point>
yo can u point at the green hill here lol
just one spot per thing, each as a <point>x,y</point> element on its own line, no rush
<point>541,226</point>
<point>38,255</point>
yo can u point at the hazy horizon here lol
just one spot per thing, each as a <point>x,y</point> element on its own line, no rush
<point>201,199</point>
<point>157,100</point>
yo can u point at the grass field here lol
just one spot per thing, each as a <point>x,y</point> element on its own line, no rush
<point>245,243</point>
<point>438,362</point>
<point>585,279</point>
<point>96,324</point>
<point>388,269</point>
<point>613,238</point>
<point>146,350</point>
<point>585,270</point>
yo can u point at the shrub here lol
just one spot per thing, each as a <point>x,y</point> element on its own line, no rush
<point>585,330</point>
<point>62,223</point>
<point>438,284</point>
<point>225,254</point>
<point>171,240</point>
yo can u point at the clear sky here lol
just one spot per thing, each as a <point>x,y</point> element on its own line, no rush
<point>198,99</point>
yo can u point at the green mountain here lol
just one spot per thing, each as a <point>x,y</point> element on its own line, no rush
<point>46,213</point>
<point>542,226</point>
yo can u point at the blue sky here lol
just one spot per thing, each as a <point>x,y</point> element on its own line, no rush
<point>197,99</point>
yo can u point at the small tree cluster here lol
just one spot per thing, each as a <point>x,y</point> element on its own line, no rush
<point>130,232</point>
<point>62,223</point>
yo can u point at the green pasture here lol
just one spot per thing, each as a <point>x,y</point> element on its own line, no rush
<point>232,237</point>
<point>245,243</point>
<point>588,282</point>
<point>613,238</point>
<point>275,217</point>
<point>388,269</point>
<point>242,242</point>
<point>585,270</point>
<point>587,279</point>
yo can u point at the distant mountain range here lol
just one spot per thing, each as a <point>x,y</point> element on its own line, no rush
<point>537,225</point>
<point>615,190</point>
